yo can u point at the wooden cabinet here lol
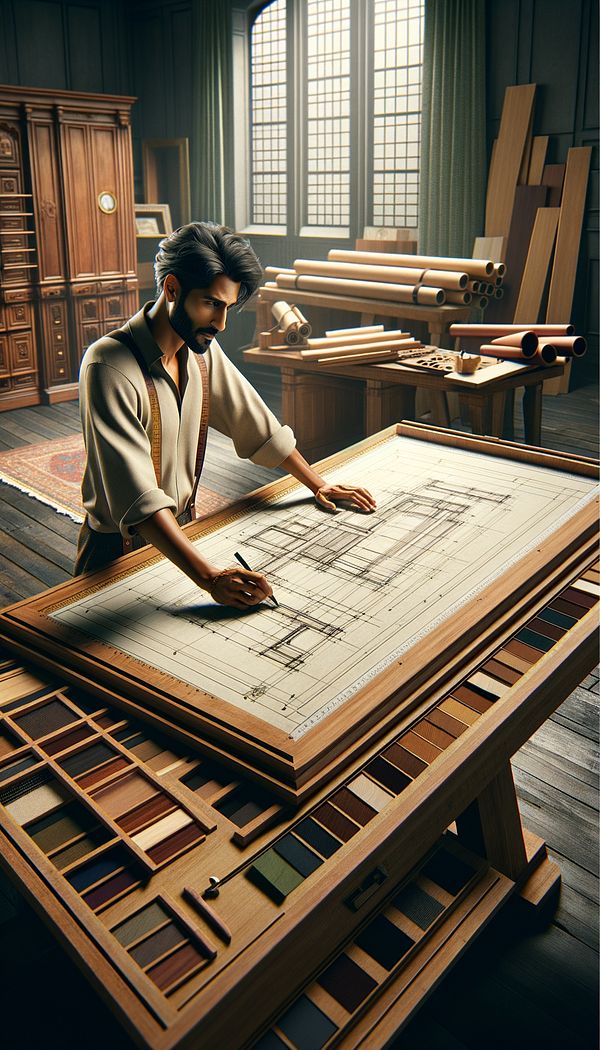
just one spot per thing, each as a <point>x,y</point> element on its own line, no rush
<point>67,235</point>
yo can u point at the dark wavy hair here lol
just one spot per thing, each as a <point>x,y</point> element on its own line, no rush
<point>200,252</point>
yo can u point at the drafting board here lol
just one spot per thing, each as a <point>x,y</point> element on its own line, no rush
<point>366,602</point>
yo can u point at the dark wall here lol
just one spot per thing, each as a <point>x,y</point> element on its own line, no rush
<point>145,48</point>
<point>554,44</point>
<point>56,44</point>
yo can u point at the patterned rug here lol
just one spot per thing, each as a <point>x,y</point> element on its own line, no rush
<point>51,472</point>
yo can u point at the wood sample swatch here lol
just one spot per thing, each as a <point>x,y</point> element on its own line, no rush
<point>537,265</point>
<point>506,163</point>
<point>562,282</point>
<point>537,160</point>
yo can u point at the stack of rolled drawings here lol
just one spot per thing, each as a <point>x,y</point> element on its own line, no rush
<point>533,344</point>
<point>418,279</point>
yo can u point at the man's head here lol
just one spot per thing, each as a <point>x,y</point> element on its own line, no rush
<point>202,263</point>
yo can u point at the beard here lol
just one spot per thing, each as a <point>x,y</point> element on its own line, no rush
<point>197,339</point>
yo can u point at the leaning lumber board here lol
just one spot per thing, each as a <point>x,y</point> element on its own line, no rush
<point>537,265</point>
<point>568,237</point>
<point>504,171</point>
<point>537,160</point>
<point>489,248</point>
<point>527,200</point>
<point>553,178</point>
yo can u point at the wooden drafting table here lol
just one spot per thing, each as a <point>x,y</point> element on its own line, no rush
<point>198,897</point>
<point>437,318</point>
<point>331,405</point>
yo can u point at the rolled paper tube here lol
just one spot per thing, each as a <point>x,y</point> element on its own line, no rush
<point>499,269</point>
<point>489,289</point>
<point>481,302</point>
<point>358,337</point>
<point>272,271</point>
<point>473,286</point>
<point>499,281</point>
<point>525,341</point>
<point>264,340</point>
<point>459,297</point>
<point>493,330</point>
<point>398,274</point>
<point>498,293</point>
<point>293,337</point>
<point>547,353</point>
<point>569,345</point>
<point>351,331</point>
<point>283,314</point>
<point>474,267</point>
<point>399,293</point>
<point>356,359</point>
<point>358,348</point>
<point>304,327</point>
<point>510,353</point>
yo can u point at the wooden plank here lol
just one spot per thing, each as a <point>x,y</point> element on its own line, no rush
<point>527,200</point>
<point>553,178</point>
<point>537,160</point>
<point>526,158</point>
<point>489,248</point>
<point>562,282</point>
<point>535,274</point>
<point>504,171</point>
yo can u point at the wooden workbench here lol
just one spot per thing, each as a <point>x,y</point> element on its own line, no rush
<point>331,918</point>
<point>330,406</point>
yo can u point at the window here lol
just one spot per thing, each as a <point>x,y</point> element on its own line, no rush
<point>336,99</point>
<point>269,120</point>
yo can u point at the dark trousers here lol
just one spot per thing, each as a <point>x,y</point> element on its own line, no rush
<point>95,550</point>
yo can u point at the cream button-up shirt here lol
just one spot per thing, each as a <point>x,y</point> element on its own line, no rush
<point>119,485</point>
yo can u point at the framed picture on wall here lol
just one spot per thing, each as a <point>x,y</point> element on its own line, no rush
<point>153,220</point>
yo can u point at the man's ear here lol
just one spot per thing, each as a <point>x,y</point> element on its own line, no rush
<point>171,287</point>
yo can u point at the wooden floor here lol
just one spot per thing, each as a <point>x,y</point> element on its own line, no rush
<point>521,985</point>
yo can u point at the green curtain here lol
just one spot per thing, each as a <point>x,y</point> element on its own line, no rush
<point>453,155</point>
<point>211,108</point>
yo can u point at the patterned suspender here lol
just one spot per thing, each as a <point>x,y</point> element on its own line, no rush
<point>156,432</point>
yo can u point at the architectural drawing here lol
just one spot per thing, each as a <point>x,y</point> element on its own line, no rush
<point>355,591</point>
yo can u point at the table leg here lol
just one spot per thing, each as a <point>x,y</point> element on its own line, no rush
<point>476,407</point>
<point>497,414</point>
<point>491,826</point>
<point>532,414</point>
<point>387,403</point>
<point>440,416</point>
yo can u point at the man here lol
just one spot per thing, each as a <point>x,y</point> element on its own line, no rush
<point>142,391</point>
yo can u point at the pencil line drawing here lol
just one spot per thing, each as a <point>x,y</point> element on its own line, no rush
<point>355,591</point>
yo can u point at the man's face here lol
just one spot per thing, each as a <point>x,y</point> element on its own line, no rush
<point>200,314</point>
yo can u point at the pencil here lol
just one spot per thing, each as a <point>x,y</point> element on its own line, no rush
<point>272,597</point>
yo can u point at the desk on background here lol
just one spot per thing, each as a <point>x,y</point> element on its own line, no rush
<point>329,406</point>
<point>437,318</point>
<point>329,899</point>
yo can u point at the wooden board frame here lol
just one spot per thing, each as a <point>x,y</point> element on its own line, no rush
<point>295,769</point>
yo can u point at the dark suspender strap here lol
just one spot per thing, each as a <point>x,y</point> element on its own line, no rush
<point>202,432</point>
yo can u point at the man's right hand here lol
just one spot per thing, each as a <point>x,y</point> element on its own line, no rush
<point>239,587</point>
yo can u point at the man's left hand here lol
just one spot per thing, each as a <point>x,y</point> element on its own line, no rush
<point>353,494</point>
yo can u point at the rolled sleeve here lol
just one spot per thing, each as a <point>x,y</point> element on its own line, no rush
<point>118,448</point>
<point>238,411</point>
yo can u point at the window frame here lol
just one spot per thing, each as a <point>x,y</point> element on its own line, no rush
<point>361,175</point>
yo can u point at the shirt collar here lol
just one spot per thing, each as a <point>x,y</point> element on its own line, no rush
<point>140,330</point>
